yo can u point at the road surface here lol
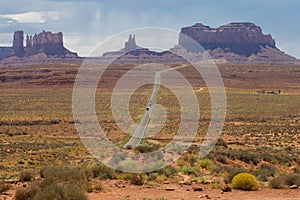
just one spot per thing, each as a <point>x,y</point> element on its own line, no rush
<point>140,130</point>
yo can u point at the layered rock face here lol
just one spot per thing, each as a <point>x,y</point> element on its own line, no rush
<point>18,47</point>
<point>51,44</point>
<point>5,52</point>
<point>239,38</point>
<point>47,42</point>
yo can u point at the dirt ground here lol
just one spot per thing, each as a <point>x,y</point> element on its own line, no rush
<point>118,191</point>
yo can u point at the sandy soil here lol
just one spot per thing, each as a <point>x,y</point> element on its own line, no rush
<point>114,190</point>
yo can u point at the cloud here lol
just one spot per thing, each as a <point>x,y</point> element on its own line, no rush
<point>31,17</point>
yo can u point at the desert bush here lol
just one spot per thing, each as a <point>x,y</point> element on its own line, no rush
<point>277,183</point>
<point>146,148</point>
<point>207,164</point>
<point>104,172</point>
<point>292,179</point>
<point>26,193</point>
<point>128,165</point>
<point>244,181</point>
<point>26,175</point>
<point>222,142</point>
<point>284,181</point>
<point>168,171</point>
<point>137,179</point>
<point>190,159</point>
<point>74,192</point>
<point>67,174</point>
<point>233,172</point>
<point>221,159</point>
<point>265,171</point>
<point>61,192</point>
<point>99,187</point>
<point>154,165</point>
<point>4,187</point>
<point>124,176</point>
<point>245,156</point>
<point>50,192</point>
<point>190,170</point>
<point>152,176</point>
<point>161,178</point>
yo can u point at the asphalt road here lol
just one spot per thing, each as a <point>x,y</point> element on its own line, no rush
<point>141,128</point>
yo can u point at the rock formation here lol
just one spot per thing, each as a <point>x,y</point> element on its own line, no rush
<point>5,52</point>
<point>239,38</point>
<point>49,43</point>
<point>18,47</point>
<point>130,44</point>
<point>234,43</point>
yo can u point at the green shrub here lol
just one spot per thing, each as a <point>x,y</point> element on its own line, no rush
<point>137,179</point>
<point>103,172</point>
<point>207,164</point>
<point>128,165</point>
<point>152,176</point>
<point>284,181</point>
<point>190,170</point>
<point>222,142</point>
<point>4,187</point>
<point>74,192</point>
<point>168,171</point>
<point>152,166</point>
<point>292,179</point>
<point>232,172</point>
<point>26,193</point>
<point>125,176</point>
<point>277,183</point>
<point>146,148</point>
<point>69,174</point>
<point>264,172</point>
<point>61,192</point>
<point>244,181</point>
<point>99,187</point>
<point>221,159</point>
<point>50,192</point>
<point>26,175</point>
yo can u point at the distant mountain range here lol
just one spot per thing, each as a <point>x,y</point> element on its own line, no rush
<point>234,43</point>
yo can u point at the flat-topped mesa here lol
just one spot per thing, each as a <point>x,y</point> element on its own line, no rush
<point>47,42</point>
<point>239,38</point>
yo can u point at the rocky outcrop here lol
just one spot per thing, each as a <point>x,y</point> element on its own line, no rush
<point>47,42</point>
<point>130,44</point>
<point>18,47</point>
<point>5,52</point>
<point>234,43</point>
<point>239,38</point>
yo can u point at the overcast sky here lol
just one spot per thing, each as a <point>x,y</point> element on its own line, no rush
<point>88,22</point>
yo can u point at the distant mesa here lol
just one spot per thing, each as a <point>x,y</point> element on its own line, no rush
<point>234,43</point>
<point>239,38</point>
<point>132,53</point>
<point>238,42</point>
<point>47,43</point>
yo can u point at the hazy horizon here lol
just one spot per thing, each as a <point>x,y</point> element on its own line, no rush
<point>87,23</point>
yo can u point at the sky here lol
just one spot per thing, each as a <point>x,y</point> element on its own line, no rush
<point>87,23</point>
